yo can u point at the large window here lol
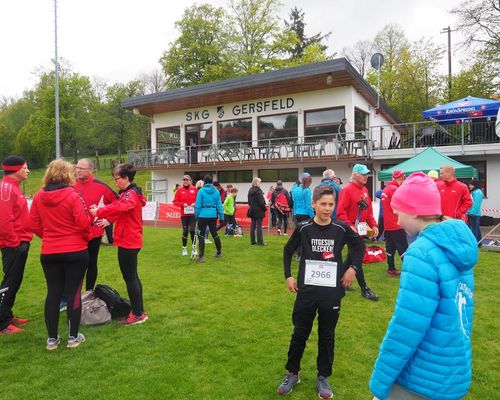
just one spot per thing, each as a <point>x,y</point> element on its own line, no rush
<point>285,174</point>
<point>236,130</point>
<point>244,176</point>
<point>323,122</point>
<point>168,137</point>
<point>199,135</point>
<point>360,120</point>
<point>278,126</point>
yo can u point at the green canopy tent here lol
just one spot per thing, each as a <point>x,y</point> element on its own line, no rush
<point>427,160</point>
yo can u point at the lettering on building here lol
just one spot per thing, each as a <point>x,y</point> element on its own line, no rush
<point>263,106</point>
<point>197,115</point>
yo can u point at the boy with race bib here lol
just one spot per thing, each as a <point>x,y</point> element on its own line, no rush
<point>319,286</point>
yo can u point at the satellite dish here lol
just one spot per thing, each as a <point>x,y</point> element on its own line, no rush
<point>497,124</point>
<point>377,61</point>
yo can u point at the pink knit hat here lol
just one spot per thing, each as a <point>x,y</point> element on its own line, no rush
<point>417,195</point>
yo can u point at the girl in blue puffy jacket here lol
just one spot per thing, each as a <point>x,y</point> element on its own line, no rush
<point>426,351</point>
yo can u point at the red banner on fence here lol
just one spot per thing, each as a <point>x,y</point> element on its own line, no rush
<point>169,213</point>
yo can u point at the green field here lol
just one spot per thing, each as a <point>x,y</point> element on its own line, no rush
<point>218,330</point>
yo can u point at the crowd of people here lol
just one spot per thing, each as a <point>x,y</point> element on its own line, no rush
<point>426,352</point>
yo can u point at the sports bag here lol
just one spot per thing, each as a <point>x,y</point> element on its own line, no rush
<point>374,254</point>
<point>118,306</point>
<point>94,311</point>
<point>281,203</point>
<point>229,230</point>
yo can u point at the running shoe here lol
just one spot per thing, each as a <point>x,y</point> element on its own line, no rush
<point>53,343</point>
<point>393,272</point>
<point>19,321</point>
<point>218,255</point>
<point>288,383</point>
<point>369,294</point>
<point>324,389</point>
<point>200,259</point>
<point>10,330</point>
<point>184,251</point>
<point>208,241</point>
<point>133,319</point>
<point>63,306</point>
<point>278,232</point>
<point>75,341</point>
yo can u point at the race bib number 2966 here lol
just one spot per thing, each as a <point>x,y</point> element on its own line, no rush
<point>320,273</point>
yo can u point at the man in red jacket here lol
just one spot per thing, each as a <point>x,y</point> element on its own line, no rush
<point>395,236</point>
<point>185,199</point>
<point>355,208</point>
<point>15,238</point>
<point>94,192</point>
<point>455,196</point>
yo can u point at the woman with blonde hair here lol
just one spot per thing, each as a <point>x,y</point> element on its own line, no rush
<point>256,211</point>
<point>59,217</point>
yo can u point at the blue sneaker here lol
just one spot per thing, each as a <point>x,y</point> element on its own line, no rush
<point>63,306</point>
<point>324,389</point>
<point>288,383</point>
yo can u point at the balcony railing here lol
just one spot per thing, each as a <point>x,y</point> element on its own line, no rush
<point>427,133</point>
<point>353,144</point>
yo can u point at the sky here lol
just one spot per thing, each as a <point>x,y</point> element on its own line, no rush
<point>118,40</point>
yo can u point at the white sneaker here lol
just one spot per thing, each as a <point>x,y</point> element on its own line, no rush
<point>75,341</point>
<point>194,252</point>
<point>184,251</point>
<point>278,231</point>
<point>208,241</point>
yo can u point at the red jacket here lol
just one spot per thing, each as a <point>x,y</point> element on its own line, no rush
<point>127,212</point>
<point>93,192</point>
<point>347,208</point>
<point>59,217</point>
<point>14,214</point>
<point>390,219</point>
<point>455,199</point>
<point>185,195</point>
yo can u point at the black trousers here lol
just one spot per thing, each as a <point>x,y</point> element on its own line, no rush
<point>127,259</point>
<point>282,219</point>
<point>188,225</point>
<point>93,247</point>
<point>228,219</point>
<point>14,261</point>
<point>304,311</point>
<point>395,241</point>
<point>256,229</point>
<point>64,276</point>
<point>212,226</point>
<point>109,233</point>
<point>360,274</point>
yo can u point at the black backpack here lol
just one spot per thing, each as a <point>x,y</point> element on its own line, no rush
<point>118,306</point>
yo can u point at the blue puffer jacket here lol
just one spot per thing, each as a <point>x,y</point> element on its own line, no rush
<point>302,201</point>
<point>427,346</point>
<point>208,203</point>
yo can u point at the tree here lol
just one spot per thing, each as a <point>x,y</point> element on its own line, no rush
<point>197,55</point>
<point>477,81</point>
<point>153,82</point>
<point>359,55</point>
<point>297,25</point>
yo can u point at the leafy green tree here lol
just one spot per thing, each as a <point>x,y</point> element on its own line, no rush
<point>477,81</point>
<point>197,55</point>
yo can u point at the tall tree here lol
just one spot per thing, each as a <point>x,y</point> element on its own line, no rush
<point>153,82</point>
<point>359,55</point>
<point>479,80</point>
<point>297,25</point>
<point>196,56</point>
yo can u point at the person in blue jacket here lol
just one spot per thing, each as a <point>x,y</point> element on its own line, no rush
<point>328,176</point>
<point>207,207</point>
<point>302,199</point>
<point>426,351</point>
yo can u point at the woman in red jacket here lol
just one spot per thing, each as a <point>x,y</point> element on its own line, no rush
<point>59,217</point>
<point>185,199</point>
<point>127,213</point>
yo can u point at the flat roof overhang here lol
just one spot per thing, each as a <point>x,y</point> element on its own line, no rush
<point>300,79</point>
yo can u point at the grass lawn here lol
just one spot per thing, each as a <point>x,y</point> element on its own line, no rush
<point>218,330</point>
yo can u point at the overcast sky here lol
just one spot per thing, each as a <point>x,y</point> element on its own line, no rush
<point>117,40</point>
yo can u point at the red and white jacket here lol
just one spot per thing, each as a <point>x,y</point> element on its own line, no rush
<point>59,217</point>
<point>185,195</point>
<point>347,209</point>
<point>127,214</point>
<point>14,214</point>
<point>390,219</point>
<point>455,199</point>
<point>93,191</point>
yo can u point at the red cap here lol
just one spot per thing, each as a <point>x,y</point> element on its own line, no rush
<point>398,174</point>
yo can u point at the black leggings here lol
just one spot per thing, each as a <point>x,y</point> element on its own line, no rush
<point>93,246</point>
<point>64,275</point>
<point>228,219</point>
<point>202,225</point>
<point>127,258</point>
<point>188,224</point>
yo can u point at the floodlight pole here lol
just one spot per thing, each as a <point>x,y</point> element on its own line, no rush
<point>448,30</point>
<point>56,73</point>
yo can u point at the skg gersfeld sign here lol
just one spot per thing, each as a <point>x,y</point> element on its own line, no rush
<point>244,109</point>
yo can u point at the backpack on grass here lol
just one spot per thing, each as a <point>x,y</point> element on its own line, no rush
<point>281,203</point>
<point>118,306</point>
<point>94,310</point>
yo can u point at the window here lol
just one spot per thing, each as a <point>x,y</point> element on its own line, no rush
<point>245,176</point>
<point>315,171</point>
<point>272,175</point>
<point>168,137</point>
<point>236,130</point>
<point>278,126</point>
<point>360,120</point>
<point>199,135</point>
<point>198,175</point>
<point>323,122</point>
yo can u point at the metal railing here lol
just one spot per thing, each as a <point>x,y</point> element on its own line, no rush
<point>428,133</point>
<point>351,144</point>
